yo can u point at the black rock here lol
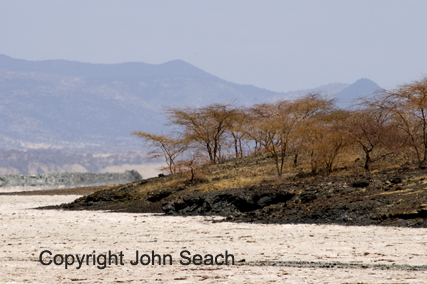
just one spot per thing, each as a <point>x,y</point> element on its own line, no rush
<point>360,183</point>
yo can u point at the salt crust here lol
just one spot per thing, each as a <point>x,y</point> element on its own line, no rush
<point>26,232</point>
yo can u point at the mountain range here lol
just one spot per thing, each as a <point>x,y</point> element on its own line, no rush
<point>68,104</point>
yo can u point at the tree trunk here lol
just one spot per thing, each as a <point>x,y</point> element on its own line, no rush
<point>313,164</point>
<point>235,148</point>
<point>296,160</point>
<point>367,160</point>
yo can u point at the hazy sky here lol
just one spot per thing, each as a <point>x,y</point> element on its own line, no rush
<point>278,45</point>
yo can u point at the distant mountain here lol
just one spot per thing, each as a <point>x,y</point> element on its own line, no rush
<point>360,88</point>
<point>59,103</point>
<point>115,71</point>
<point>70,104</point>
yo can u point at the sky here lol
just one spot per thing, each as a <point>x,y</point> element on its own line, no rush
<point>275,44</point>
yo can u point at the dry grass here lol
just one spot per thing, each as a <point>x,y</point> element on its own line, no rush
<point>157,184</point>
<point>230,183</point>
<point>250,171</point>
<point>244,172</point>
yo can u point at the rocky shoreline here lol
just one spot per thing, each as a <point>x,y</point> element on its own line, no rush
<point>394,197</point>
<point>390,198</point>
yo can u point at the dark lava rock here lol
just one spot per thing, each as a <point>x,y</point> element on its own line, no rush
<point>307,196</point>
<point>373,199</point>
<point>157,196</point>
<point>224,202</point>
<point>396,180</point>
<point>360,183</point>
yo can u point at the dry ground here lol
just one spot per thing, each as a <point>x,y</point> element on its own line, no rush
<point>26,232</point>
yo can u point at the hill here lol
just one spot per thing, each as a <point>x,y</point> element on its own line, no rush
<point>92,108</point>
<point>59,103</point>
<point>68,104</point>
<point>362,87</point>
<point>246,190</point>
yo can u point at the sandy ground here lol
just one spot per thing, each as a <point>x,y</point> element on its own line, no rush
<point>26,232</point>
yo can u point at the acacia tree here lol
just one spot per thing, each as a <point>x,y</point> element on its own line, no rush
<point>191,165</point>
<point>304,111</point>
<point>205,127</point>
<point>237,131</point>
<point>270,129</point>
<point>278,127</point>
<point>335,140</point>
<point>408,105</point>
<point>323,139</point>
<point>164,146</point>
<point>371,130</point>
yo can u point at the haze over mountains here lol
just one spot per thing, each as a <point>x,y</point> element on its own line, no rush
<point>65,104</point>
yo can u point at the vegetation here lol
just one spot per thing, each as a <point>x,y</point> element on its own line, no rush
<point>306,135</point>
<point>164,146</point>
<point>299,161</point>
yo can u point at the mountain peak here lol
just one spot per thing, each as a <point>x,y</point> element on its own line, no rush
<point>360,88</point>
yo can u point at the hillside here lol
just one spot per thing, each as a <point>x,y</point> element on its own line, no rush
<point>58,103</point>
<point>246,190</point>
<point>83,108</point>
<point>71,104</point>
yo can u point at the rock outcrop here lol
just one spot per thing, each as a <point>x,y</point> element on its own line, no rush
<point>224,203</point>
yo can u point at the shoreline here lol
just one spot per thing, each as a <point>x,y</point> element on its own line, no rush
<point>83,190</point>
